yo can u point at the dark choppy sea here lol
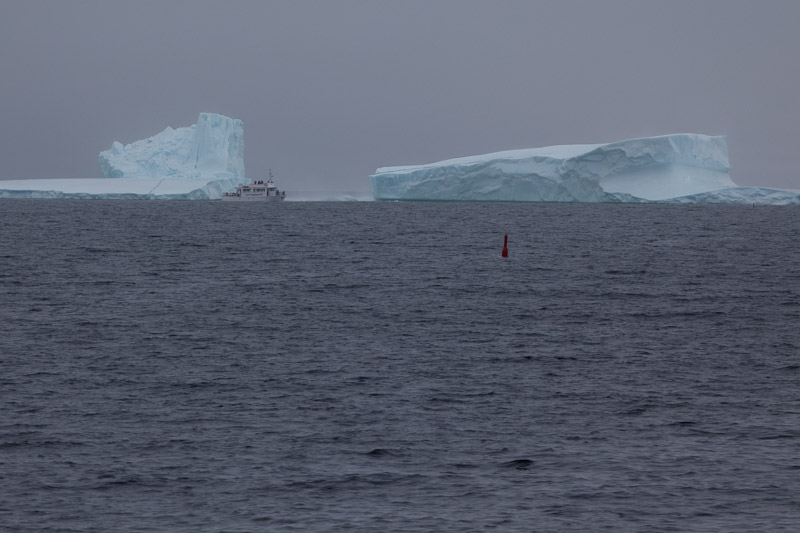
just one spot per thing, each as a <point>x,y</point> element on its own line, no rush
<point>204,366</point>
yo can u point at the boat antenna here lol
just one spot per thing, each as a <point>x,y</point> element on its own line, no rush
<point>270,173</point>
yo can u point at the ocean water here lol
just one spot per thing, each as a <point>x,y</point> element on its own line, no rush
<point>324,366</point>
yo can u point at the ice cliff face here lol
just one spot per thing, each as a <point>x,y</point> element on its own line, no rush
<point>211,149</point>
<point>647,169</point>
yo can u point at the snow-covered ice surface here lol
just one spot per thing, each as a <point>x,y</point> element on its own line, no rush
<point>687,168</point>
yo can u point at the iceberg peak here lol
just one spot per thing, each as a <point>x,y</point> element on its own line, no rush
<point>211,149</point>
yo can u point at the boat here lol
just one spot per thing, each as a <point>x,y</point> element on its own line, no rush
<point>256,191</point>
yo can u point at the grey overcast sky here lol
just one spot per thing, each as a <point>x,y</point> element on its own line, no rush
<point>329,90</point>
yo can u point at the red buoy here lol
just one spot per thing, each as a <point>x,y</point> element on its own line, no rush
<point>505,246</point>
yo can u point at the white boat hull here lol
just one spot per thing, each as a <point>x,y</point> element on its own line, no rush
<point>234,198</point>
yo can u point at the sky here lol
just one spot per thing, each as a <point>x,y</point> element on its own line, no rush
<point>330,90</point>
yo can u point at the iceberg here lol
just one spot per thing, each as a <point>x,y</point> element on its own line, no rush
<point>211,149</point>
<point>690,168</point>
<point>197,162</point>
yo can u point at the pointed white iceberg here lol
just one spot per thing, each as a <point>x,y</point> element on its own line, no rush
<point>211,149</point>
<point>198,162</point>
<point>687,166</point>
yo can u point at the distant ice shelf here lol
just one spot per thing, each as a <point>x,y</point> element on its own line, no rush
<point>680,168</point>
<point>115,188</point>
<point>152,189</point>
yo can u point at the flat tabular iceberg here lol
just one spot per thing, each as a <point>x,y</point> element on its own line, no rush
<point>124,189</point>
<point>682,167</point>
